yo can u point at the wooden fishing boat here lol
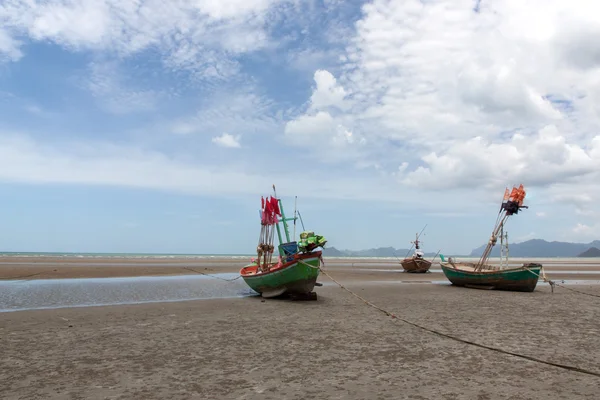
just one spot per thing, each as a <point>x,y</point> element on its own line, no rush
<point>417,263</point>
<point>297,276</point>
<point>484,276</point>
<point>298,266</point>
<point>519,279</point>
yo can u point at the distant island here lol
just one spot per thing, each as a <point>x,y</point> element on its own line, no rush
<point>542,248</point>
<point>591,252</point>
<point>529,248</point>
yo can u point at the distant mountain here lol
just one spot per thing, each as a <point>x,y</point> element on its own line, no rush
<point>591,252</point>
<point>378,252</point>
<point>539,248</point>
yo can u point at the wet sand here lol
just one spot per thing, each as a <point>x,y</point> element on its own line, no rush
<point>18,268</point>
<point>74,267</point>
<point>334,348</point>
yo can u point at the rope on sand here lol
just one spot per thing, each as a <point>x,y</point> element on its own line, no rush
<point>457,339</point>
<point>212,276</point>
<point>552,283</point>
<point>20,278</point>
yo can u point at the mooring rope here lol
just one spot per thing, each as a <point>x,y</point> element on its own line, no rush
<point>20,278</point>
<point>457,339</point>
<point>212,276</point>
<point>552,283</point>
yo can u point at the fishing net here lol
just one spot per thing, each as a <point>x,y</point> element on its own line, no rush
<point>309,241</point>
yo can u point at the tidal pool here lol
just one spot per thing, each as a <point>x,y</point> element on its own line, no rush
<point>38,294</point>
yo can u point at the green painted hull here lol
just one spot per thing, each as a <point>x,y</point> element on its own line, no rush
<point>515,279</point>
<point>295,278</point>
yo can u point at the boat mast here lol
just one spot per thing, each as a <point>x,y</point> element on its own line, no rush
<point>283,220</point>
<point>285,225</point>
<point>277,222</point>
<point>295,212</point>
<point>503,248</point>
<point>416,242</point>
<point>511,204</point>
<point>506,244</point>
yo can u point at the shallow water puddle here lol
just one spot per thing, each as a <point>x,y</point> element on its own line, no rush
<point>38,294</point>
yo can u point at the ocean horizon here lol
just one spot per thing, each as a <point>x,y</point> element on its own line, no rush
<point>57,254</point>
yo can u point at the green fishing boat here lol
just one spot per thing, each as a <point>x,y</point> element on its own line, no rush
<point>504,277</point>
<point>518,279</point>
<point>298,265</point>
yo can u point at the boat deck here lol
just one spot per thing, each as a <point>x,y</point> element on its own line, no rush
<point>471,267</point>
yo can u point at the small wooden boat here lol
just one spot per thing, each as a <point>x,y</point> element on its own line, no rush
<point>417,263</point>
<point>297,269</point>
<point>484,276</point>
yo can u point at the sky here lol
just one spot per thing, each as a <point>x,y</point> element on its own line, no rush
<point>155,126</point>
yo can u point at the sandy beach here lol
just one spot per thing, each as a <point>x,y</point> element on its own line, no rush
<point>16,268</point>
<point>337,347</point>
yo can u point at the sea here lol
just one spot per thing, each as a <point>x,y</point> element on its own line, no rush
<point>494,260</point>
<point>118,255</point>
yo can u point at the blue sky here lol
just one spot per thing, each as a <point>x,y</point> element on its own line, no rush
<point>156,127</point>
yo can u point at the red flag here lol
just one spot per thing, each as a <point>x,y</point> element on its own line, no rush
<point>262,203</point>
<point>268,211</point>
<point>275,205</point>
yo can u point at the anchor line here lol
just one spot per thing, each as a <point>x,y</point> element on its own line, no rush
<point>212,276</point>
<point>457,339</point>
<point>20,278</point>
<point>552,283</point>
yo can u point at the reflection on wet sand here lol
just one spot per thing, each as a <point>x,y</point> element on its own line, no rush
<point>59,293</point>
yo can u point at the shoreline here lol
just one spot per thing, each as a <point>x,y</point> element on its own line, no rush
<point>26,268</point>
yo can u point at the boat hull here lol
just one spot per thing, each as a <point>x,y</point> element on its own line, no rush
<point>298,276</point>
<point>521,279</point>
<point>415,265</point>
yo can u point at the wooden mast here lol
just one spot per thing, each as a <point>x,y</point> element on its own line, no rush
<point>511,204</point>
<point>503,249</point>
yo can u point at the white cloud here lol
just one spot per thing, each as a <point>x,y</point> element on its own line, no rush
<point>474,99</point>
<point>323,132</point>
<point>540,214</point>
<point>198,36</point>
<point>308,129</point>
<point>308,59</point>
<point>585,232</point>
<point>227,140</point>
<point>107,84</point>
<point>540,160</point>
<point>25,160</point>
<point>582,229</point>
<point>242,110</point>
<point>321,128</point>
<point>9,47</point>
<point>327,93</point>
